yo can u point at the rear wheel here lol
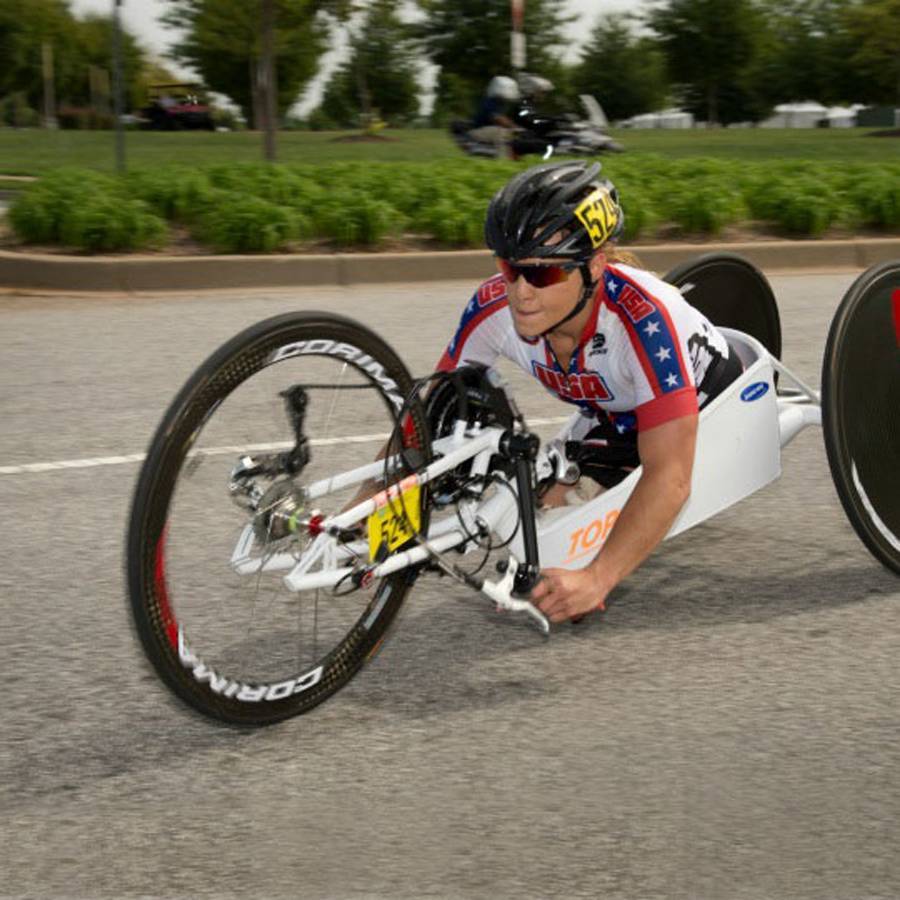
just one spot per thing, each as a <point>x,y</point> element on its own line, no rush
<point>208,550</point>
<point>733,293</point>
<point>861,408</point>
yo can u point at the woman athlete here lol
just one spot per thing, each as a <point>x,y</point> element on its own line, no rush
<point>614,340</point>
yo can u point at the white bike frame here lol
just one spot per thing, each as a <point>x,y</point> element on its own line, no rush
<point>739,440</point>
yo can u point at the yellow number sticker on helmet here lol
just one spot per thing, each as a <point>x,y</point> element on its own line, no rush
<point>597,213</point>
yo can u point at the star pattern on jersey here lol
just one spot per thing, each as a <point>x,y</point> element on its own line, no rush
<point>663,353</point>
<point>612,286</point>
<point>623,422</point>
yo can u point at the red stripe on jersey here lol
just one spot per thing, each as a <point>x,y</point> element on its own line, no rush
<point>471,325</point>
<point>445,363</point>
<point>491,290</point>
<point>666,408</point>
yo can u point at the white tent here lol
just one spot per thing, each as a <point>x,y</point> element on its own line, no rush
<point>841,116</point>
<point>796,115</point>
<point>667,118</point>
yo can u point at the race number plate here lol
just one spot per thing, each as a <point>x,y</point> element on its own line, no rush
<point>397,518</point>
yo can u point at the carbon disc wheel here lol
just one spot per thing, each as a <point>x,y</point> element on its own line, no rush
<point>219,518</point>
<point>861,409</point>
<point>733,293</point>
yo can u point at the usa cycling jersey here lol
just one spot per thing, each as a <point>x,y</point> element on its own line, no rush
<point>638,362</point>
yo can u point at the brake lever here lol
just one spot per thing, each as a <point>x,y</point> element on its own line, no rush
<point>501,593</point>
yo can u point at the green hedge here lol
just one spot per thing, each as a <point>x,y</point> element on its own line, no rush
<point>258,208</point>
<point>86,211</point>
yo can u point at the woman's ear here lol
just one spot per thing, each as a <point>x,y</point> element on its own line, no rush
<point>597,265</point>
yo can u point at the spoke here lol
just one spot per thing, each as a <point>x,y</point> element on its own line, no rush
<point>299,630</point>
<point>337,387</point>
<point>244,632</point>
<point>264,557</point>
<point>315,653</point>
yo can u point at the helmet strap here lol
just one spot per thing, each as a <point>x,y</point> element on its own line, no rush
<point>587,292</point>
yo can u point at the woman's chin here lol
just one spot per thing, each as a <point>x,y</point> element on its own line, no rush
<point>529,326</point>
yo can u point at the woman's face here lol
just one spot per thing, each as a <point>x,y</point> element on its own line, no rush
<point>535,309</point>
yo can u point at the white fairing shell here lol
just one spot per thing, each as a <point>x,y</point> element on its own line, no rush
<point>738,452</point>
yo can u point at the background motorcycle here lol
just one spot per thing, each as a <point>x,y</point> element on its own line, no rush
<point>544,135</point>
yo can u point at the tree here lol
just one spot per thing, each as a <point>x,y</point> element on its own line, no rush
<point>802,53</point>
<point>708,45</point>
<point>626,74</point>
<point>469,40</point>
<point>94,37</point>
<point>77,45</point>
<point>379,74</point>
<point>24,28</point>
<point>873,32</point>
<point>222,43</point>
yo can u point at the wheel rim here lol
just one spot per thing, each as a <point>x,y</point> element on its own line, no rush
<point>242,634</point>
<point>864,404</point>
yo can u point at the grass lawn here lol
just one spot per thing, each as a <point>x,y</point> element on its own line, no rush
<point>35,152</point>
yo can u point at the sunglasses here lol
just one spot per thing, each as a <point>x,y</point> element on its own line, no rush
<point>536,276</point>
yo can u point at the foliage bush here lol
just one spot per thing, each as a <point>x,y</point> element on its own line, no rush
<point>705,205</point>
<point>238,223</point>
<point>877,197</point>
<point>86,211</point>
<point>15,111</point>
<point>175,194</point>
<point>641,214</point>
<point>106,222</point>
<point>350,219</point>
<point>803,205</point>
<point>256,207</point>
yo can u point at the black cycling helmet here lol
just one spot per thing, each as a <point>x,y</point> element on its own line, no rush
<point>540,202</point>
<point>568,198</point>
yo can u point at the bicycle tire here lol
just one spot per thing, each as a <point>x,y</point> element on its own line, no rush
<point>733,293</point>
<point>860,405</point>
<point>153,608</point>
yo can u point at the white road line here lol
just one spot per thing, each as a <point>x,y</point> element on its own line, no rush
<point>91,462</point>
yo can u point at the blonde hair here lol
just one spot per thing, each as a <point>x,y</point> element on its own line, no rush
<point>616,255</point>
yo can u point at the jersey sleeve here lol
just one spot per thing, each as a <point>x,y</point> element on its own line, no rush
<point>479,337</point>
<point>657,361</point>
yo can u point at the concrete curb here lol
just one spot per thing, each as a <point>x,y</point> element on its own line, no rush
<point>129,274</point>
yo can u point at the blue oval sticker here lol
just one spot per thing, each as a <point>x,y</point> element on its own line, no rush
<point>754,391</point>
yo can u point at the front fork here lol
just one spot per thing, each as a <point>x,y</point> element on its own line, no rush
<point>511,591</point>
<point>522,449</point>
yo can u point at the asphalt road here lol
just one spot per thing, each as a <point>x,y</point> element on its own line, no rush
<point>729,729</point>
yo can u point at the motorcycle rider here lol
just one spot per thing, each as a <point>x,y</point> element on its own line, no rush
<point>606,336</point>
<point>493,122</point>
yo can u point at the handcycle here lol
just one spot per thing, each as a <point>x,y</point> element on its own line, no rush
<point>302,481</point>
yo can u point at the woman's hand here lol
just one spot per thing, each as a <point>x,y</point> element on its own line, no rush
<point>563,594</point>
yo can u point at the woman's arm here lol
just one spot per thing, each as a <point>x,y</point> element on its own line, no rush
<point>667,458</point>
